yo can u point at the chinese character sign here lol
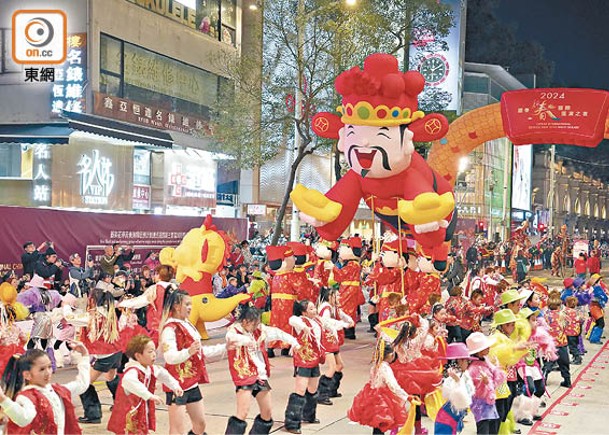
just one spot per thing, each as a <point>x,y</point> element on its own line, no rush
<point>68,92</point>
<point>190,179</point>
<point>41,175</point>
<point>87,176</point>
<point>96,178</point>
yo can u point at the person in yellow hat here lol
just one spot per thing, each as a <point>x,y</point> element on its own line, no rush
<point>512,300</point>
<point>507,351</point>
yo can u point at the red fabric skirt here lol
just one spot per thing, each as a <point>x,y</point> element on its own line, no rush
<point>420,376</point>
<point>378,407</point>
<point>7,353</point>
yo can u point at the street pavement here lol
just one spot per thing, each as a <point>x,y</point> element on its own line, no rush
<point>569,411</point>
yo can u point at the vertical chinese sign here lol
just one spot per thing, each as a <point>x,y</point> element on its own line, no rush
<point>141,180</point>
<point>70,78</point>
<point>41,175</point>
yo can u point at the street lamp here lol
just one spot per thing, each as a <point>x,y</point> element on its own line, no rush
<point>491,188</point>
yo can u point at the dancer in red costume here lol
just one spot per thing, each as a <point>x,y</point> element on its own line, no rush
<point>102,339</point>
<point>382,404</point>
<point>302,403</point>
<point>185,360</point>
<point>32,403</point>
<point>325,252</point>
<point>349,279</point>
<point>305,289</point>
<point>134,409</point>
<point>153,298</point>
<point>250,369</point>
<point>334,320</point>
<point>283,292</point>
<point>389,277</point>
<point>12,338</point>
<point>419,373</point>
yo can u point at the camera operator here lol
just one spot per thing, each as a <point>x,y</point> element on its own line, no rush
<point>79,277</point>
<point>49,266</point>
<point>124,254</point>
<point>31,256</point>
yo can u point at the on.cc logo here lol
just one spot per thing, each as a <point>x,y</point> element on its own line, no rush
<point>39,36</point>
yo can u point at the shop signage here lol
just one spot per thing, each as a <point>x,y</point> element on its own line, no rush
<point>68,92</point>
<point>164,75</point>
<point>96,178</point>
<point>468,209</point>
<point>190,179</point>
<point>41,174</point>
<point>87,175</point>
<point>256,209</point>
<point>148,115</point>
<point>171,9</point>
<point>141,166</point>
<point>141,197</point>
<point>227,199</point>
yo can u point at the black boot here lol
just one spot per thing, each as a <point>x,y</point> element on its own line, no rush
<point>309,412</point>
<point>91,405</point>
<point>566,383</point>
<point>350,333</point>
<point>335,384</point>
<point>235,426</point>
<point>323,390</point>
<point>261,427</point>
<point>270,353</point>
<point>373,320</point>
<point>293,413</point>
<point>285,352</point>
<point>113,386</point>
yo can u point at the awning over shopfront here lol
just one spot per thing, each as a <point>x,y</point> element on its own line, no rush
<point>50,133</point>
<point>120,130</point>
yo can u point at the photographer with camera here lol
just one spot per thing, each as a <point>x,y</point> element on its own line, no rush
<point>124,254</point>
<point>48,265</point>
<point>80,277</point>
<point>31,255</point>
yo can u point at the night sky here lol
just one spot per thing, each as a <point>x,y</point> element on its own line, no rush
<point>575,35</point>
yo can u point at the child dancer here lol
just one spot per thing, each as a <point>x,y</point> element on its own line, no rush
<point>597,314</point>
<point>185,360</point>
<point>102,339</point>
<point>32,403</point>
<point>455,306</point>
<point>249,367</point>
<point>556,324</point>
<point>507,351</point>
<point>487,378</point>
<point>334,320</point>
<point>473,311</point>
<point>134,410</point>
<point>302,404</point>
<point>40,301</point>
<point>12,338</point>
<point>573,329</point>
<point>457,390</point>
<point>525,410</point>
<point>382,404</point>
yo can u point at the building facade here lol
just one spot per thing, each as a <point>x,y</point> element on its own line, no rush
<point>123,123</point>
<point>485,187</point>
<point>580,201</point>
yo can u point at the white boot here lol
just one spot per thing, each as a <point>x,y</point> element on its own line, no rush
<point>517,408</point>
<point>58,358</point>
<point>536,401</point>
